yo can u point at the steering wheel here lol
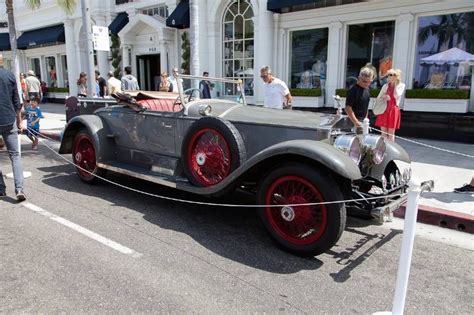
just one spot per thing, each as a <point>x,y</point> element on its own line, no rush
<point>191,92</point>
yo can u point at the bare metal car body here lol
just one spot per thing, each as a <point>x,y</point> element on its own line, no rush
<point>212,146</point>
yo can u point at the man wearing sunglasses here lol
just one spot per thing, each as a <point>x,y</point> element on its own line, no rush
<point>358,97</point>
<point>277,95</point>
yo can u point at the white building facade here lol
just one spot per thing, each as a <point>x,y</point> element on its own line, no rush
<point>308,44</point>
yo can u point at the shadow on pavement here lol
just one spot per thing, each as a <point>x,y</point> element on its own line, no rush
<point>234,233</point>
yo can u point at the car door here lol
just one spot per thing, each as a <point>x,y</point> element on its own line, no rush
<point>158,129</point>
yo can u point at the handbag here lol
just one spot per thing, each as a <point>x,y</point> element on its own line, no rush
<point>380,105</point>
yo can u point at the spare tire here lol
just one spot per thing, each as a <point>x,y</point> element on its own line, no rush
<point>212,149</point>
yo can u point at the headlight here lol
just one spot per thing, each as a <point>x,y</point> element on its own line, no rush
<point>376,147</point>
<point>349,144</point>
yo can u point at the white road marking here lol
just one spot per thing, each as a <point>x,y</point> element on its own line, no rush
<point>84,231</point>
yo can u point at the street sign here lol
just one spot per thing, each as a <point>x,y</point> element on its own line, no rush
<point>100,38</point>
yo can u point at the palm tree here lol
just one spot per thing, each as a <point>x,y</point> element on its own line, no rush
<point>448,27</point>
<point>68,7</point>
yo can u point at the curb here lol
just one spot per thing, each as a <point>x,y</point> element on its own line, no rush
<point>441,217</point>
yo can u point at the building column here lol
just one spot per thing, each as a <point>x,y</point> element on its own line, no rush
<point>126,55</point>
<point>102,56</point>
<point>59,71</point>
<point>402,45</point>
<point>334,62</point>
<point>71,59</point>
<point>263,47</point>
<point>164,56</point>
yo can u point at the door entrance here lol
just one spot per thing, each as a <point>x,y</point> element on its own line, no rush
<point>148,73</point>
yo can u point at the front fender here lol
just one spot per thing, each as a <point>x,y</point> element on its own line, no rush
<point>321,152</point>
<point>98,130</point>
<point>393,152</point>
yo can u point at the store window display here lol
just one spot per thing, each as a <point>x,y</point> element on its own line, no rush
<point>444,51</point>
<point>309,55</point>
<point>370,45</point>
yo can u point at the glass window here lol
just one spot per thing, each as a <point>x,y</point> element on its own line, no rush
<point>238,48</point>
<point>309,50</point>
<point>445,45</point>
<point>51,78</point>
<point>35,66</point>
<point>370,45</point>
<point>65,82</point>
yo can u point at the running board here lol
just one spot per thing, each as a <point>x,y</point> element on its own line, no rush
<point>138,173</point>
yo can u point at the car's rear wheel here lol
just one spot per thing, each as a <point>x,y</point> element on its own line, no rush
<point>309,229</point>
<point>84,156</point>
<point>212,149</point>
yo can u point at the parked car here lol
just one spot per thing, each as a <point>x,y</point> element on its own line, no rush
<point>290,160</point>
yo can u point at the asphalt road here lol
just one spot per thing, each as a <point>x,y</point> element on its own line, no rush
<point>74,248</point>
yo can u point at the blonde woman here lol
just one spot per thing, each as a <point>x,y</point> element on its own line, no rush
<point>391,92</point>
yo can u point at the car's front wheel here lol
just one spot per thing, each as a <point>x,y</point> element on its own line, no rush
<point>85,158</point>
<point>309,228</point>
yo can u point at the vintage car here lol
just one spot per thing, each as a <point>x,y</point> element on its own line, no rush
<point>304,168</point>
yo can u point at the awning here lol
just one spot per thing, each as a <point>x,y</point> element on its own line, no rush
<point>277,5</point>
<point>5,41</point>
<point>180,16</point>
<point>42,36</point>
<point>118,23</point>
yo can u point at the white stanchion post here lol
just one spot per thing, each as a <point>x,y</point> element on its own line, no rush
<point>365,126</point>
<point>408,239</point>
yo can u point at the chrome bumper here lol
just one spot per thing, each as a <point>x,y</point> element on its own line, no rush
<point>385,213</point>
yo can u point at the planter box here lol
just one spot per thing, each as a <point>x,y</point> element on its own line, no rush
<point>308,101</point>
<point>57,95</point>
<point>436,105</point>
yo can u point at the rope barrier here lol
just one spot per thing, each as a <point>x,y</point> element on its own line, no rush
<point>207,203</point>
<point>426,145</point>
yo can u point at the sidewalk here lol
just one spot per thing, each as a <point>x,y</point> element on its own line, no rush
<point>440,207</point>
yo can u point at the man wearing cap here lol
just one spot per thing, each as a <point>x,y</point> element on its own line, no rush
<point>10,124</point>
<point>33,85</point>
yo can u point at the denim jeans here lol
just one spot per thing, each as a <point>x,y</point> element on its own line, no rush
<point>10,137</point>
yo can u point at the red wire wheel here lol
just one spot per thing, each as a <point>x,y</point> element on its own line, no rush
<point>209,157</point>
<point>212,149</point>
<point>84,157</point>
<point>296,224</point>
<point>309,228</point>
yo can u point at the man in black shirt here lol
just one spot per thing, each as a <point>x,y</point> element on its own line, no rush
<point>358,97</point>
<point>102,84</point>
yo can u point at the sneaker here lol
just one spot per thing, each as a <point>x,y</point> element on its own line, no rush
<point>3,194</point>
<point>20,196</point>
<point>466,189</point>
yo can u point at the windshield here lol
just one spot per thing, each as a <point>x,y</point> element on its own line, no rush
<point>196,87</point>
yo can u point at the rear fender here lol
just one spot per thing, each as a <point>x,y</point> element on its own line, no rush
<point>99,132</point>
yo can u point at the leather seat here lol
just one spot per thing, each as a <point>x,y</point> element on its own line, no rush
<point>160,105</point>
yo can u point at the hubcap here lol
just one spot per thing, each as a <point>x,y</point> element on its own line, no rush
<point>287,213</point>
<point>78,157</point>
<point>201,159</point>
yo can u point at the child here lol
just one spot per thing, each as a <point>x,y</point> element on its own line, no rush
<point>33,116</point>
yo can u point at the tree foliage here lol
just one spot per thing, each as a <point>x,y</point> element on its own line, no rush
<point>186,52</point>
